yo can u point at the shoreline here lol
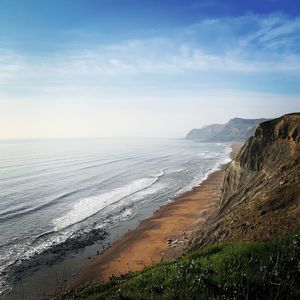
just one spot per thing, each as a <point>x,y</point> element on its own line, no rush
<point>161,237</point>
<point>83,265</point>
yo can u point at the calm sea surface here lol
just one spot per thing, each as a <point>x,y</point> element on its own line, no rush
<point>51,190</point>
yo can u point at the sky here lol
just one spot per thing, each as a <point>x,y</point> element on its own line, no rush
<point>144,68</point>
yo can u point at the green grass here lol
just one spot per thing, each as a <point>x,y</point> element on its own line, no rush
<point>269,270</point>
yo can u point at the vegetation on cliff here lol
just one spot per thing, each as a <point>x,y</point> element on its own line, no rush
<point>265,270</point>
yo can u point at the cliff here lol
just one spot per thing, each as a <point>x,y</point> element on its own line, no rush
<point>261,190</point>
<point>236,129</point>
<point>260,199</point>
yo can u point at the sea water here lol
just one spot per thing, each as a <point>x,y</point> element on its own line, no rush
<point>51,190</point>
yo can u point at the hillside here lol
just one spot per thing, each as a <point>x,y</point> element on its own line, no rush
<point>266,270</point>
<point>261,189</point>
<point>251,248</point>
<point>236,129</point>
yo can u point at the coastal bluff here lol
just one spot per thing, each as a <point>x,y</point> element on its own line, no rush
<point>252,232</point>
<point>261,189</point>
<point>235,130</point>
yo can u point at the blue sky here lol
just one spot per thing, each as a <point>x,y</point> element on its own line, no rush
<point>144,68</point>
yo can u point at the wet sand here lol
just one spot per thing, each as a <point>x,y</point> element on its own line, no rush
<point>162,237</point>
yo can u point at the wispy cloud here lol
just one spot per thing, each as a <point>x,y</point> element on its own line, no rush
<point>248,44</point>
<point>11,65</point>
<point>275,35</point>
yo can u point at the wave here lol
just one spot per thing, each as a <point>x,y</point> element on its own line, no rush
<point>209,154</point>
<point>172,171</point>
<point>43,173</point>
<point>223,158</point>
<point>14,213</point>
<point>106,163</point>
<point>90,206</point>
<point>21,212</point>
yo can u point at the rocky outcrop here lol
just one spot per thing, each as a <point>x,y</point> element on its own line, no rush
<point>236,129</point>
<point>261,189</point>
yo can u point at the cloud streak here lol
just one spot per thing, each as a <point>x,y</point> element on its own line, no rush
<point>227,45</point>
<point>11,65</point>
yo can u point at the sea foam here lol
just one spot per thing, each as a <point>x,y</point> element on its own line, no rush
<point>88,207</point>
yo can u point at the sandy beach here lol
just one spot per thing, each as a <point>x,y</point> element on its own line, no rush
<point>162,237</point>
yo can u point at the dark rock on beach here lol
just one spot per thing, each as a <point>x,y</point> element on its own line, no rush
<point>56,252</point>
<point>78,241</point>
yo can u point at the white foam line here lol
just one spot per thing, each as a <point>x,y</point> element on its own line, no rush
<point>88,207</point>
<point>224,160</point>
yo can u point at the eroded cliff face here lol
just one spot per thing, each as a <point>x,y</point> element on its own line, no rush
<point>261,189</point>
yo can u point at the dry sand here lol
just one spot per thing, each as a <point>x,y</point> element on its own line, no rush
<point>161,237</point>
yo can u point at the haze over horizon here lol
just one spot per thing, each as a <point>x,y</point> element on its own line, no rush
<point>125,68</point>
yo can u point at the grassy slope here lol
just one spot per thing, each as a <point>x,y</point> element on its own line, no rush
<point>268,270</point>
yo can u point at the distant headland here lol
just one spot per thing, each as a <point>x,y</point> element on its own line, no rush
<point>236,129</point>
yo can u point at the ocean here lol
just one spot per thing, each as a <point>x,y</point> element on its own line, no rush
<point>61,199</point>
